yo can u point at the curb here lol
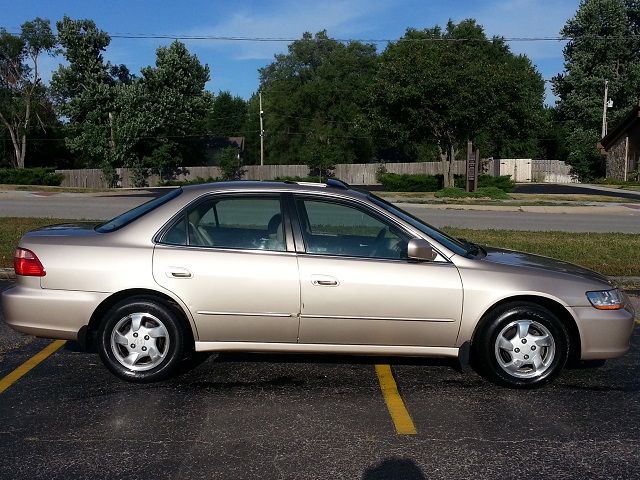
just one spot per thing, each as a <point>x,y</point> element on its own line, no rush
<point>7,274</point>
<point>626,283</point>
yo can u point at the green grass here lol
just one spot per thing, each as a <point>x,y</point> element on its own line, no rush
<point>615,254</point>
<point>11,229</point>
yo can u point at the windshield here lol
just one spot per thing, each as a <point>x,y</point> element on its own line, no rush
<point>453,244</point>
<point>135,213</point>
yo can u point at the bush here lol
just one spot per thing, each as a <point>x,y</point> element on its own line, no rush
<point>493,193</point>
<point>394,182</point>
<point>194,181</point>
<point>453,192</point>
<point>296,179</point>
<point>30,176</point>
<point>502,182</point>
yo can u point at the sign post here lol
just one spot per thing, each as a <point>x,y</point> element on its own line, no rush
<point>473,158</point>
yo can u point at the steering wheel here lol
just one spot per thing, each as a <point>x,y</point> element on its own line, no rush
<point>378,242</point>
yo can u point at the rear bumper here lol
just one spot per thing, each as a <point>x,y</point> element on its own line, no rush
<point>49,313</point>
<point>604,333</point>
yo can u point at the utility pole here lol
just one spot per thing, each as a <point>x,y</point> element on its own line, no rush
<point>604,108</point>
<point>261,131</point>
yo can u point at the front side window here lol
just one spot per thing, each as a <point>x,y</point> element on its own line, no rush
<point>252,223</point>
<point>332,228</point>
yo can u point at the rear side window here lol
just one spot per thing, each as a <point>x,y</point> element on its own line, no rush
<point>251,223</point>
<point>135,213</point>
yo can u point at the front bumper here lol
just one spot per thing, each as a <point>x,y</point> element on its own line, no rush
<point>604,333</point>
<point>49,313</point>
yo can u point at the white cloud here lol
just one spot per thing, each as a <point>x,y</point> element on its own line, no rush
<point>289,19</point>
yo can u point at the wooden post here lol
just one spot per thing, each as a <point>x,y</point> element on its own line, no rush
<point>473,157</point>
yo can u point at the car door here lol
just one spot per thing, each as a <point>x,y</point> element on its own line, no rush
<point>230,258</point>
<point>358,287</point>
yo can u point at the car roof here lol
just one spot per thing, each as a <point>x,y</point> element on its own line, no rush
<point>331,187</point>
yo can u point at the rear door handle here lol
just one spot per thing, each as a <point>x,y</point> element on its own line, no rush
<point>324,281</point>
<point>178,272</point>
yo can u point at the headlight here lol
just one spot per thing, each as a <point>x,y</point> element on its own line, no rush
<point>606,299</point>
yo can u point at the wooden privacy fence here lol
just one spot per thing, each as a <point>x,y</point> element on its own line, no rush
<point>353,173</point>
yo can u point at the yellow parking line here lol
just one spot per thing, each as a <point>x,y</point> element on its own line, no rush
<point>399,413</point>
<point>33,362</point>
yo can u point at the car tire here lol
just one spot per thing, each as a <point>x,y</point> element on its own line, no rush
<point>141,340</point>
<point>521,345</point>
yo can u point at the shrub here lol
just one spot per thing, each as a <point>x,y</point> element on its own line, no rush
<point>193,181</point>
<point>394,182</point>
<point>30,176</point>
<point>494,193</point>
<point>502,182</point>
<point>296,179</point>
<point>453,192</point>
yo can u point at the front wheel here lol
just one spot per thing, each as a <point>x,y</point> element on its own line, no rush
<point>521,345</point>
<point>141,340</point>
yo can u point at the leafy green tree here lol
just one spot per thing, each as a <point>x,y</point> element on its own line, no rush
<point>161,113</point>
<point>227,116</point>
<point>230,164</point>
<point>603,44</point>
<point>448,86</point>
<point>85,94</point>
<point>313,98</point>
<point>22,94</point>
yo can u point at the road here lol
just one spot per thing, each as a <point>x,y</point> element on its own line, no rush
<point>279,417</point>
<point>573,219</point>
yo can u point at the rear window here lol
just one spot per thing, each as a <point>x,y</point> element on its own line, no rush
<point>135,213</point>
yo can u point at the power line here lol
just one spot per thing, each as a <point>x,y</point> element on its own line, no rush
<point>239,38</point>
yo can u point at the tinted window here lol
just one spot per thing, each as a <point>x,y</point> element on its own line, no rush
<point>135,213</point>
<point>332,228</point>
<point>253,223</point>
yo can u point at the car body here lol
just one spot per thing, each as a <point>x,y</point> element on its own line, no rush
<point>306,268</point>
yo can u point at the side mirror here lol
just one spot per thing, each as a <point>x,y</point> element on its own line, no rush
<point>419,249</point>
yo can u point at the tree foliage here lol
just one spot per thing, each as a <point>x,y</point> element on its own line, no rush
<point>22,94</point>
<point>448,86</point>
<point>313,99</point>
<point>603,44</point>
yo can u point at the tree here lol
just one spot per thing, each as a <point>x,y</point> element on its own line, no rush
<point>450,86</point>
<point>84,92</point>
<point>22,93</point>
<point>603,44</point>
<point>162,112</point>
<point>314,98</point>
<point>227,116</point>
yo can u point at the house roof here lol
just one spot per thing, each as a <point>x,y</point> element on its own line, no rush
<point>627,123</point>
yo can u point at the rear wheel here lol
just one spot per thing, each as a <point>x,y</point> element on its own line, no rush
<point>522,345</point>
<point>141,340</point>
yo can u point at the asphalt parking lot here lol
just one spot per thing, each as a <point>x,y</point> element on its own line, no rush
<point>272,417</point>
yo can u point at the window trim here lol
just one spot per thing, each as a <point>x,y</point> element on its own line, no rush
<point>183,213</point>
<point>363,207</point>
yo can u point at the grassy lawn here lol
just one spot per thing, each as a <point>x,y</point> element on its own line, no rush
<point>11,229</point>
<point>517,199</point>
<point>616,254</point>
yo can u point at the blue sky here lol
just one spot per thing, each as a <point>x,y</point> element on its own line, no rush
<point>234,65</point>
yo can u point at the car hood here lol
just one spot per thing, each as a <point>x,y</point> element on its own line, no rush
<point>511,257</point>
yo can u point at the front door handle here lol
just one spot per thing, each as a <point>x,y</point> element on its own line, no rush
<point>178,272</point>
<point>324,281</point>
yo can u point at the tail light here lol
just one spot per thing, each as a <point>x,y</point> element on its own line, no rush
<point>26,263</point>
